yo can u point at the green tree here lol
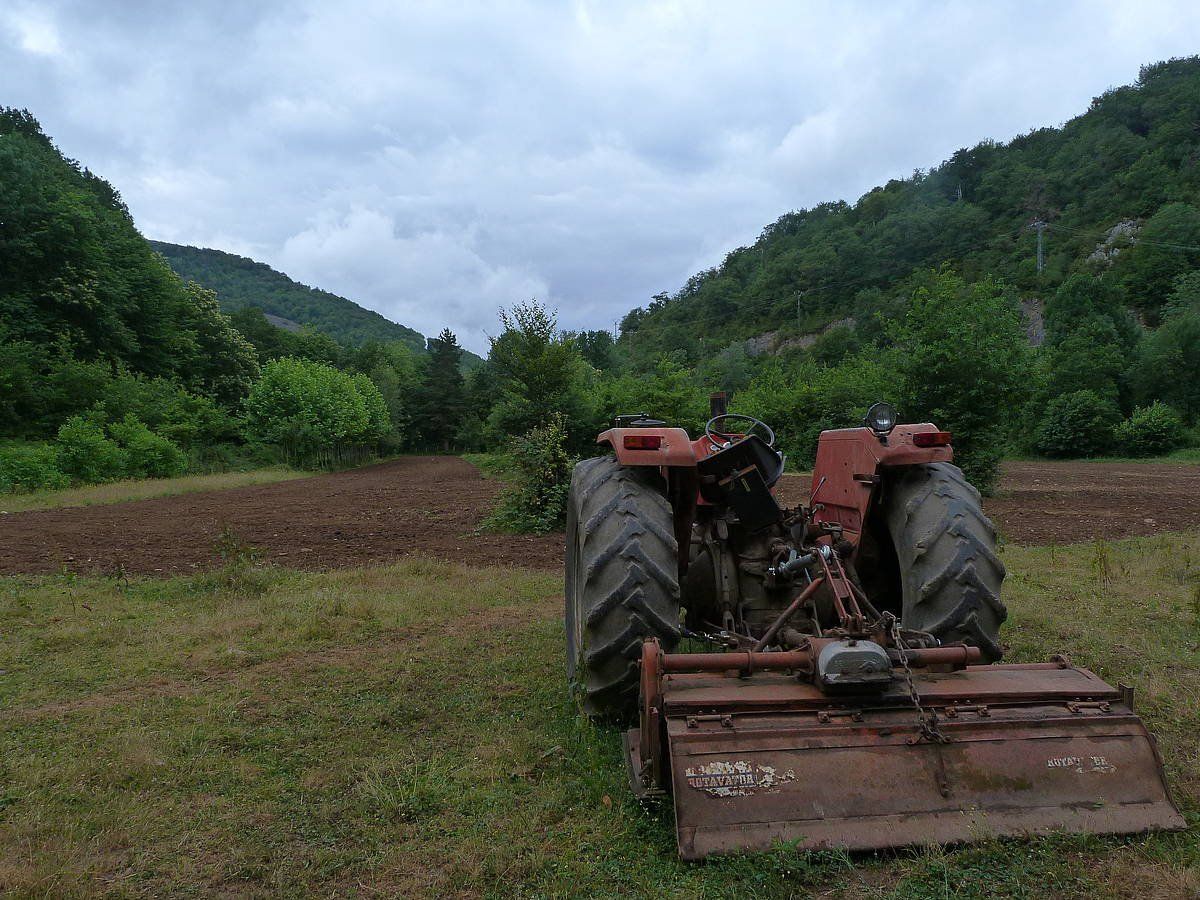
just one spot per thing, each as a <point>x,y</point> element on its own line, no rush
<point>1150,430</point>
<point>147,455</point>
<point>442,401</point>
<point>85,453</point>
<point>1184,296</point>
<point>1168,366</point>
<point>1082,300</point>
<point>598,348</point>
<point>1076,425</point>
<point>314,413</point>
<point>540,372</point>
<point>1167,246</point>
<point>802,400</point>
<point>670,392</point>
<point>964,362</point>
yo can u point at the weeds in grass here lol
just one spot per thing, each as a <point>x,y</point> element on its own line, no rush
<point>429,747</point>
<point>239,573</point>
<point>411,792</point>
<point>1102,565</point>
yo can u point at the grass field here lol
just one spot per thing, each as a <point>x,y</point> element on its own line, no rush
<point>405,731</point>
<point>144,489</point>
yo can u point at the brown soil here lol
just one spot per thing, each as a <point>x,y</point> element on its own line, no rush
<point>433,505</point>
<point>1069,502</point>
<point>417,504</point>
<point>1064,503</point>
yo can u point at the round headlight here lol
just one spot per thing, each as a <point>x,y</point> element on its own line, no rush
<point>881,418</point>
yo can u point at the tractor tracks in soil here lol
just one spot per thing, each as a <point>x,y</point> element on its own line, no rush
<point>433,506</point>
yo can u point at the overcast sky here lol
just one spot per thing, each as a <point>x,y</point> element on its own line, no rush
<point>437,161</point>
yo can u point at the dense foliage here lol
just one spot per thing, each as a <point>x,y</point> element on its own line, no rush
<point>1133,157</point>
<point>925,292</point>
<point>79,282</point>
<point>240,283</point>
<point>314,413</point>
<point>537,501</point>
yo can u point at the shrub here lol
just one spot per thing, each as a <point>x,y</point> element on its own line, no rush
<point>148,455</point>
<point>187,420</point>
<point>313,413</point>
<point>86,454</point>
<point>668,392</point>
<point>963,364</point>
<point>30,467</point>
<point>537,502</point>
<point>1150,430</point>
<point>800,402</point>
<point>1077,424</point>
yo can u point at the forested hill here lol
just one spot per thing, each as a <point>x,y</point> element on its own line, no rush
<point>1128,168</point>
<point>241,282</point>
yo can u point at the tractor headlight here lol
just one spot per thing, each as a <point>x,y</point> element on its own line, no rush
<point>881,418</point>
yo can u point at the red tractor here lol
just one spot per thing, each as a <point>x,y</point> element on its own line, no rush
<point>847,694</point>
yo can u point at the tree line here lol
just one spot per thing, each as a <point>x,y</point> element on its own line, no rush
<point>112,366</point>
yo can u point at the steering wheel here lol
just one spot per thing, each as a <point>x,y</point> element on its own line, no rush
<point>720,439</point>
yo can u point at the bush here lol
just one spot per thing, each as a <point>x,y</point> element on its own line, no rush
<point>313,413</point>
<point>30,467</point>
<point>86,454</point>
<point>669,392</point>
<point>185,419</point>
<point>147,454</point>
<point>1150,430</point>
<point>964,364</point>
<point>800,402</point>
<point>537,503</point>
<point>1077,424</point>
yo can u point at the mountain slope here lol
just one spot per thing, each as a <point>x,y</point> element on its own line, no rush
<point>78,282</point>
<point>241,282</point>
<point>1132,160</point>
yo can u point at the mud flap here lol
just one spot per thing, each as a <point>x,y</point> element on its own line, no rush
<point>1030,749</point>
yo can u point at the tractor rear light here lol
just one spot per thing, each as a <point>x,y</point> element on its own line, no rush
<point>643,441</point>
<point>931,439</point>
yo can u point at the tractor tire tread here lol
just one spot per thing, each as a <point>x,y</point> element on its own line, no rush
<point>622,581</point>
<point>950,572</point>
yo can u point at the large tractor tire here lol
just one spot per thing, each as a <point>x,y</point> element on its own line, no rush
<point>946,548</point>
<point>622,581</point>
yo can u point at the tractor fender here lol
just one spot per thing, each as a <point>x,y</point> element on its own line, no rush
<point>848,465</point>
<point>675,449</point>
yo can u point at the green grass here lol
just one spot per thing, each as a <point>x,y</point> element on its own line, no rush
<point>143,489</point>
<point>405,731</point>
<point>1182,455</point>
<point>499,466</point>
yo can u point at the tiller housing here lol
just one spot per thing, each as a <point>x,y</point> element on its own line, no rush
<point>853,697</point>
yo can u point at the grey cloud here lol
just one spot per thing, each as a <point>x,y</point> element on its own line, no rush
<point>436,161</point>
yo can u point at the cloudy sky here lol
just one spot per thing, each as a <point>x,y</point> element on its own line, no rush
<point>437,161</point>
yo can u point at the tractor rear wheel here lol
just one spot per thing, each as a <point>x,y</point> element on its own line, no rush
<point>622,581</point>
<point>946,548</point>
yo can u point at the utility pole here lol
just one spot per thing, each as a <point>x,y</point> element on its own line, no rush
<point>799,319</point>
<point>1040,225</point>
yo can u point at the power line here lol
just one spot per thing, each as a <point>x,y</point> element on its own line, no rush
<point>1103,231</point>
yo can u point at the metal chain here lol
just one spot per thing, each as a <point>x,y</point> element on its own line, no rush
<point>927,722</point>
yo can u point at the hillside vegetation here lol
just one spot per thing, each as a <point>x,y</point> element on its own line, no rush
<point>113,367</point>
<point>1133,157</point>
<point>240,282</point>
<point>918,291</point>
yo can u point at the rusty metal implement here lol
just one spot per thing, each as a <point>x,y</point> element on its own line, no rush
<point>755,754</point>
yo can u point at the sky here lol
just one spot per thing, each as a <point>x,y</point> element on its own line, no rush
<point>438,161</point>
